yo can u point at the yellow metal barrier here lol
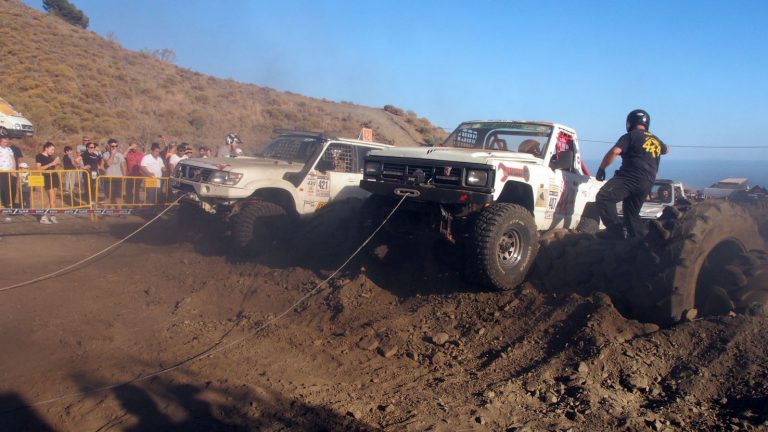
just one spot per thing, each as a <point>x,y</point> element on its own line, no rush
<point>127,191</point>
<point>44,189</point>
<point>78,192</point>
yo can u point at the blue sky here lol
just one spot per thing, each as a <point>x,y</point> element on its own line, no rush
<point>698,67</point>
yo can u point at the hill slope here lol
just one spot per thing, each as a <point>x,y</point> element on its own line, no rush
<point>71,82</point>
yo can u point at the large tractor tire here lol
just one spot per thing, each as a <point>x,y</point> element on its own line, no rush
<point>257,227</point>
<point>697,263</point>
<point>502,246</point>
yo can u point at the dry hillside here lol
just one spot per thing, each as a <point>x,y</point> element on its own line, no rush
<point>71,82</point>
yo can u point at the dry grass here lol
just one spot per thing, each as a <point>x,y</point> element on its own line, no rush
<point>71,82</point>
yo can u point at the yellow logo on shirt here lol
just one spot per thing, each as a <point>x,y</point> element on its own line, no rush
<point>652,145</point>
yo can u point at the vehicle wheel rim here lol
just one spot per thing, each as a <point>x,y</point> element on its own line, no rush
<point>510,248</point>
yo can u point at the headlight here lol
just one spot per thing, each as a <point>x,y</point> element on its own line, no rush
<point>372,168</point>
<point>225,178</point>
<point>477,177</point>
<point>17,126</point>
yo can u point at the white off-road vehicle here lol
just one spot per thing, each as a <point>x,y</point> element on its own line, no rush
<point>491,186</point>
<point>296,174</point>
<point>12,123</point>
<point>664,193</point>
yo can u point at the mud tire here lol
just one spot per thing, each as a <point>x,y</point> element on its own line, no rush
<point>502,247</point>
<point>689,250</point>
<point>256,226</point>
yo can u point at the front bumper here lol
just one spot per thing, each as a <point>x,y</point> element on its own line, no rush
<point>427,193</point>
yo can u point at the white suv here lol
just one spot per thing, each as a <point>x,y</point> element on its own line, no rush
<point>12,123</point>
<point>296,174</point>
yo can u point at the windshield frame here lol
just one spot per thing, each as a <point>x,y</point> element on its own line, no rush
<point>308,148</point>
<point>484,135</point>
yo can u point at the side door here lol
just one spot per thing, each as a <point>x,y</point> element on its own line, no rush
<point>576,188</point>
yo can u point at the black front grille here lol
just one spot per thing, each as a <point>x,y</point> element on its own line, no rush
<point>196,174</point>
<point>406,173</point>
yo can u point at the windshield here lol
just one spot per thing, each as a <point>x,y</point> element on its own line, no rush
<point>507,136</point>
<point>297,149</point>
<point>661,193</point>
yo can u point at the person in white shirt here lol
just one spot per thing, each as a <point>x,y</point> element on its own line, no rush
<point>7,163</point>
<point>152,166</point>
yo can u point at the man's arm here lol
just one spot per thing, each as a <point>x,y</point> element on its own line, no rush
<point>609,157</point>
<point>664,148</point>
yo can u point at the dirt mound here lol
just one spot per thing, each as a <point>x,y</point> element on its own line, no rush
<point>397,341</point>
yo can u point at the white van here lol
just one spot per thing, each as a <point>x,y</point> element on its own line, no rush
<point>12,123</point>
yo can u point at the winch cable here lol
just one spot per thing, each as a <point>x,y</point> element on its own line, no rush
<point>218,347</point>
<point>84,260</point>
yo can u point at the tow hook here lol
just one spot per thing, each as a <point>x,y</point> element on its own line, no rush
<point>406,192</point>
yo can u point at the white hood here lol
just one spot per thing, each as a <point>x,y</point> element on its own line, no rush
<point>249,166</point>
<point>455,154</point>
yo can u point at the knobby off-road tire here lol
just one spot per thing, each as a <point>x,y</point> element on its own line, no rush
<point>256,226</point>
<point>691,263</point>
<point>502,246</point>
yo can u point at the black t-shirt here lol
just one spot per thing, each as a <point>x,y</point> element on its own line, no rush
<point>45,160</point>
<point>640,154</point>
<point>69,164</point>
<point>91,159</point>
<point>17,154</point>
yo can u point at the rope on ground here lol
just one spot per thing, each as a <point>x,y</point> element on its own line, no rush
<point>108,248</point>
<point>218,347</point>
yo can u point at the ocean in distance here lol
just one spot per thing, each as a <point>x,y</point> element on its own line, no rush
<point>698,174</point>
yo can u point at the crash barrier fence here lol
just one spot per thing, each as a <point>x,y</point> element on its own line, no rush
<point>79,192</point>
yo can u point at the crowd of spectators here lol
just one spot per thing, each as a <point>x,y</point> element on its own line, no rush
<point>73,175</point>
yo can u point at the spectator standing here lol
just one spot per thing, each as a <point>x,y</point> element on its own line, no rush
<point>133,166</point>
<point>115,169</point>
<point>18,156</point>
<point>229,149</point>
<point>48,162</point>
<point>181,153</point>
<point>201,152</point>
<point>70,162</point>
<point>7,164</point>
<point>152,166</point>
<point>92,163</point>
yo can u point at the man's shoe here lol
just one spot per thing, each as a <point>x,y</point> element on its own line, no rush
<point>45,221</point>
<point>53,219</point>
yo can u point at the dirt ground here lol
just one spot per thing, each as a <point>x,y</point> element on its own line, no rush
<point>395,342</point>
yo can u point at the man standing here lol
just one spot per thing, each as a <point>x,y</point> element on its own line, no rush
<point>116,169</point>
<point>152,166</point>
<point>92,163</point>
<point>7,164</point>
<point>640,152</point>
<point>133,163</point>
<point>229,149</point>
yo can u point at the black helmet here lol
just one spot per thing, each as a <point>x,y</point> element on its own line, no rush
<point>233,137</point>
<point>638,117</point>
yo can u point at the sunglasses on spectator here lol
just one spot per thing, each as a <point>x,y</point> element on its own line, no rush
<point>114,146</point>
<point>91,146</point>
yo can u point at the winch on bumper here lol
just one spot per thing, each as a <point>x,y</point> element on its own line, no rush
<point>427,193</point>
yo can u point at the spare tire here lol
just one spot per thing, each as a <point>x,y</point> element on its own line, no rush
<point>675,275</point>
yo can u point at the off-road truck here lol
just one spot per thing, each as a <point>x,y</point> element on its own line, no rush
<point>490,187</point>
<point>296,174</point>
<point>664,193</point>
